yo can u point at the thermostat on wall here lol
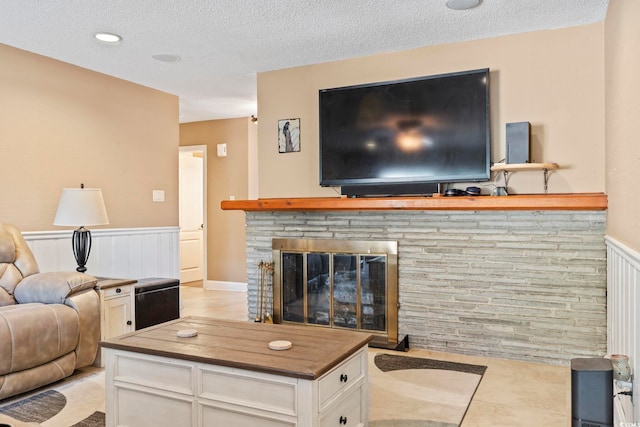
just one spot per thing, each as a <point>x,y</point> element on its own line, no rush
<point>222,150</point>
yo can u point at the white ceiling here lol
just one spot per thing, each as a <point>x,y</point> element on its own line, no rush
<point>224,43</point>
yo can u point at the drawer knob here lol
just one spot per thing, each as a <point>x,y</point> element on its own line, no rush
<point>118,290</point>
<point>344,378</point>
<point>129,322</point>
<point>343,420</point>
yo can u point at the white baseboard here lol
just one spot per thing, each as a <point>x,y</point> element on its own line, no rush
<point>216,285</point>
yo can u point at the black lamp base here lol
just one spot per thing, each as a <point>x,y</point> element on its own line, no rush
<point>81,243</point>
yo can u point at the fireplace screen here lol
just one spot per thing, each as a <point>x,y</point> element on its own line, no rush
<point>333,283</point>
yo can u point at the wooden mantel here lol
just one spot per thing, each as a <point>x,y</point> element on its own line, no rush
<point>574,201</point>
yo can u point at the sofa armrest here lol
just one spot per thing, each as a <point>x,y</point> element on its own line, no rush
<point>87,304</point>
<point>53,287</point>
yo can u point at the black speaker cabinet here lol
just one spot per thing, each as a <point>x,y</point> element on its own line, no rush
<point>518,142</point>
<point>591,392</point>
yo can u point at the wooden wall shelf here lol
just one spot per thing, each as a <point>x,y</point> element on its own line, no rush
<point>505,168</point>
<point>515,167</point>
<point>574,201</point>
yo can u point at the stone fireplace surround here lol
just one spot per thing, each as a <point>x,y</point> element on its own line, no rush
<point>515,283</point>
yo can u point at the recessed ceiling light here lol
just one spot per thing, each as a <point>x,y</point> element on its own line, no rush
<point>166,57</point>
<point>462,4</point>
<point>108,37</point>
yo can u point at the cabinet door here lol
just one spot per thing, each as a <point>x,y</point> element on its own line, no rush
<point>346,412</point>
<point>117,317</point>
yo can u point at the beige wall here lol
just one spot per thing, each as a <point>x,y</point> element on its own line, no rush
<point>553,79</point>
<point>61,125</point>
<point>622,68</point>
<point>226,177</point>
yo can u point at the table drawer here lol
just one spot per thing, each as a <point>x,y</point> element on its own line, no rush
<point>341,377</point>
<point>250,389</point>
<point>212,416</point>
<point>151,408</point>
<point>346,412</point>
<point>151,371</point>
<point>117,291</point>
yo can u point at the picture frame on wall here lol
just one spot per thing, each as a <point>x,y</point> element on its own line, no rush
<point>288,135</point>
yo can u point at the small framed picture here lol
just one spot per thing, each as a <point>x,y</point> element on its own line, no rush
<point>288,135</point>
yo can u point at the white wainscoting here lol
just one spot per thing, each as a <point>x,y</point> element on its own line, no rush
<point>131,253</point>
<point>623,304</point>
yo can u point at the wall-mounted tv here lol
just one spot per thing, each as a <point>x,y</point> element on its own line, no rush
<point>402,136</point>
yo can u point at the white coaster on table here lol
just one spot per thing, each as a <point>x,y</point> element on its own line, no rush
<point>187,333</point>
<point>280,345</point>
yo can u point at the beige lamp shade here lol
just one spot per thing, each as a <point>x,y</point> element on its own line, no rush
<point>80,207</point>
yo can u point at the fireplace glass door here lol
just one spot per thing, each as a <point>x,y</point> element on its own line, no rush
<point>293,287</point>
<point>373,301</point>
<point>337,284</point>
<point>318,289</point>
<point>345,291</point>
<point>340,290</point>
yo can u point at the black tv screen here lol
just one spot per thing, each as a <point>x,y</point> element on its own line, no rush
<point>432,129</point>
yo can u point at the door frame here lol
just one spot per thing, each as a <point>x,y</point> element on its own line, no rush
<point>203,149</point>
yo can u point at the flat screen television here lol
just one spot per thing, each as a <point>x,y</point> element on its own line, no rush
<point>402,137</point>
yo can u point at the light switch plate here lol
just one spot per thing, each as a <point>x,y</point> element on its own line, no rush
<point>158,195</point>
<point>222,150</point>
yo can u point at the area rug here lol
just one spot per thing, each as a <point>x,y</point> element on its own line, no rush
<point>405,391</point>
<point>75,402</point>
<point>416,392</point>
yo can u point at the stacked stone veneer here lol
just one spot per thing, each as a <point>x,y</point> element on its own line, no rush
<point>525,285</point>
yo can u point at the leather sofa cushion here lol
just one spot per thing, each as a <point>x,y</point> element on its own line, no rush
<point>16,259</point>
<point>53,287</point>
<point>10,276</point>
<point>34,334</point>
<point>38,376</point>
<point>6,298</point>
<point>7,247</point>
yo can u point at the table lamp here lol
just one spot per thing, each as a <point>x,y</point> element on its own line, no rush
<point>81,207</point>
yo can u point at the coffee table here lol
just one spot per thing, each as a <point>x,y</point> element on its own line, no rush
<point>227,375</point>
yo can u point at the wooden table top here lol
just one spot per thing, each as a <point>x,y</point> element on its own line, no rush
<point>245,345</point>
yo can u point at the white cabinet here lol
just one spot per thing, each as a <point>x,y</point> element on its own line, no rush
<point>148,390</point>
<point>116,309</point>
<point>116,304</point>
<point>116,316</point>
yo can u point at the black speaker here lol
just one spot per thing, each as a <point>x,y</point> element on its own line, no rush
<point>518,141</point>
<point>591,393</point>
<point>388,189</point>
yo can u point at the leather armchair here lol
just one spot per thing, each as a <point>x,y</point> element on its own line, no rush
<point>49,322</point>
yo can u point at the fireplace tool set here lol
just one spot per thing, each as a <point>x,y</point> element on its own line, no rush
<point>265,292</point>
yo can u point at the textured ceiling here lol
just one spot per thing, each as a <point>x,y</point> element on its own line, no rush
<point>224,43</point>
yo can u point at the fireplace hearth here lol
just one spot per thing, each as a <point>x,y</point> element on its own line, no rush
<point>339,284</point>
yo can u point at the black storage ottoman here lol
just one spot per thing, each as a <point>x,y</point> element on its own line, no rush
<point>157,300</point>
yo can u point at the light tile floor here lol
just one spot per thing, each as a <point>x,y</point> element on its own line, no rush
<point>511,394</point>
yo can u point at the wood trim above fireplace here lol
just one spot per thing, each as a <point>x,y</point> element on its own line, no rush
<point>573,201</point>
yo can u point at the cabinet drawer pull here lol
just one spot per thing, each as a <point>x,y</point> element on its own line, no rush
<point>343,420</point>
<point>129,322</point>
<point>118,290</point>
<point>344,378</point>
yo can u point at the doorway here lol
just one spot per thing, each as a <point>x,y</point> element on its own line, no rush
<point>192,213</point>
